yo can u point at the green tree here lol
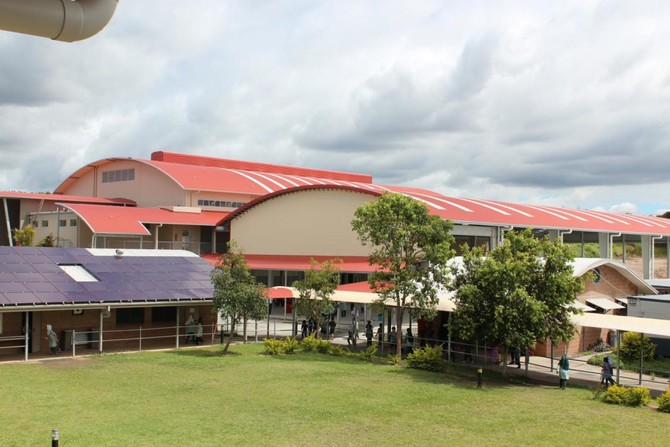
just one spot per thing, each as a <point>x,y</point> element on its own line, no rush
<point>524,290</point>
<point>24,236</point>
<point>630,346</point>
<point>316,289</point>
<point>237,294</point>
<point>409,249</point>
<point>48,241</point>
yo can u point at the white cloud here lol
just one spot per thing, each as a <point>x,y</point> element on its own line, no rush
<point>562,103</point>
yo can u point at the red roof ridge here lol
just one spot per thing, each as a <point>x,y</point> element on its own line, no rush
<point>199,160</point>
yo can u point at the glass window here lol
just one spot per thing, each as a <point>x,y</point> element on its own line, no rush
<point>45,223</point>
<point>62,223</point>
<point>132,315</point>
<point>164,314</point>
<point>73,222</point>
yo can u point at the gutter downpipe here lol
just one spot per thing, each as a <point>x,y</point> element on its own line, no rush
<point>501,234</point>
<point>610,249</point>
<point>156,235</point>
<point>563,233</point>
<point>63,20</point>
<point>9,228</point>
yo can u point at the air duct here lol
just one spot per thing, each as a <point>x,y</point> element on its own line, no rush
<point>64,20</point>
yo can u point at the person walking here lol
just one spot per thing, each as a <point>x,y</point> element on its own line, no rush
<point>52,338</point>
<point>606,373</point>
<point>368,333</point>
<point>409,342</point>
<point>563,371</point>
<point>380,337</point>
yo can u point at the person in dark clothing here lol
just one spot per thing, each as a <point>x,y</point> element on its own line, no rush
<point>369,333</point>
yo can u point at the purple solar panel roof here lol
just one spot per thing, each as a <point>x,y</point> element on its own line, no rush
<point>32,275</point>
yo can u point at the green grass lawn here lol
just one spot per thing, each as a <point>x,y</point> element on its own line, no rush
<point>198,397</point>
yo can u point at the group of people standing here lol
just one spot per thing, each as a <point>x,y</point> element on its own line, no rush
<point>194,330</point>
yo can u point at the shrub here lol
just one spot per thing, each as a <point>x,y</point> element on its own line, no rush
<point>279,346</point>
<point>664,402</point>
<point>290,345</point>
<point>272,346</point>
<point>369,353</point>
<point>630,346</point>
<point>312,343</point>
<point>428,358</point>
<point>632,397</point>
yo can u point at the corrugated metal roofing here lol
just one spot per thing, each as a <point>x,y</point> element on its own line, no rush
<point>647,326</point>
<point>270,181</point>
<point>128,220</point>
<point>354,264</point>
<point>64,198</point>
<point>31,277</point>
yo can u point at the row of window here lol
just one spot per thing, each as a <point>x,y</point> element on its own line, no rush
<point>61,223</point>
<point>220,203</point>
<point>119,175</point>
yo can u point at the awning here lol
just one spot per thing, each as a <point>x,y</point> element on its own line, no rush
<point>352,264</point>
<point>583,307</point>
<point>278,292</point>
<point>360,293</point>
<point>604,303</point>
<point>647,326</point>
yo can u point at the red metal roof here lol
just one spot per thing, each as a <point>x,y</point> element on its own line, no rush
<point>490,212</point>
<point>268,181</point>
<point>197,160</point>
<point>128,220</point>
<point>64,198</point>
<point>357,264</point>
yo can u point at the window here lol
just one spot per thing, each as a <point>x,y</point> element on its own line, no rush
<point>596,275</point>
<point>220,203</point>
<point>45,223</point>
<point>132,315</point>
<point>62,223</point>
<point>164,314</point>
<point>119,175</point>
<point>73,222</point>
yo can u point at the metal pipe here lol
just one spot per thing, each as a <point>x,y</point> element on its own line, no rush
<point>9,225</point>
<point>63,20</point>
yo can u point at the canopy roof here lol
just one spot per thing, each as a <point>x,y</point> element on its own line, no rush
<point>351,264</point>
<point>124,221</point>
<point>648,326</point>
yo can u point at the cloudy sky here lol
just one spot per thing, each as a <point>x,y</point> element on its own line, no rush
<point>563,103</point>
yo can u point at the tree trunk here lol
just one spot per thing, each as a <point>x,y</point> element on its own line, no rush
<point>505,351</point>
<point>245,328</point>
<point>398,323</point>
<point>232,334</point>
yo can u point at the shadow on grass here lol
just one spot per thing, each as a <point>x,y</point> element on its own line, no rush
<point>460,376</point>
<point>206,352</point>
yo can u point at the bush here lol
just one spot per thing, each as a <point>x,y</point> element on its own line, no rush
<point>312,343</point>
<point>428,358</point>
<point>272,346</point>
<point>632,397</point>
<point>630,346</point>
<point>664,402</point>
<point>290,345</point>
<point>279,346</point>
<point>369,353</point>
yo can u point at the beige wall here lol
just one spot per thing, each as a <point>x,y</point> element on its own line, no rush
<point>612,284</point>
<point>312,222</point>
<point>150,188</point>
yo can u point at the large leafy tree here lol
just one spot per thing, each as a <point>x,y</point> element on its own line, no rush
<point>523,291</point>
<point>237,294</point>
<point>409,248</point>
<point>315,290</point>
